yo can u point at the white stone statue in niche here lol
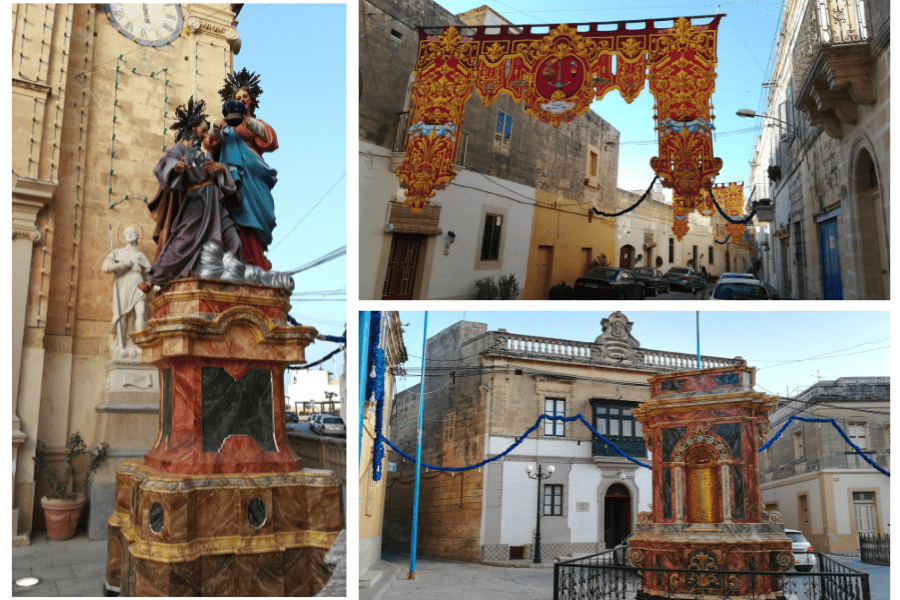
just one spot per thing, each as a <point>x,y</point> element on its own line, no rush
<point>129,265</point>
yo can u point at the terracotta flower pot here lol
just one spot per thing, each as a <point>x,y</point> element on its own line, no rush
<point>62,516</point>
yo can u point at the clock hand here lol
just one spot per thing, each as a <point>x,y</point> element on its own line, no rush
<point>146,14</point>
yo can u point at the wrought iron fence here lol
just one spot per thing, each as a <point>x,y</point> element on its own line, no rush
<point>875,549</point>
<point>610,576</point>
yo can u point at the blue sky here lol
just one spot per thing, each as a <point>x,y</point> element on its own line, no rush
<point>300,51</point>
<point>857,343</point>
<point>745,47</point>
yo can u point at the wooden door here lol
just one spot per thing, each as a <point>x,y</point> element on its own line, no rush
<point>400,277</point>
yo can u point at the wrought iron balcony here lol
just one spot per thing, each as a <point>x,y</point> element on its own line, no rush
<point>631,446</point>
<point>401,138</point>
<point>832,63</point>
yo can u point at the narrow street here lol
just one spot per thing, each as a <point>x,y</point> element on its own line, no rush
<point>678,294</point>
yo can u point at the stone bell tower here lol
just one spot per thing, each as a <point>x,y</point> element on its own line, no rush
<point>705,428</point>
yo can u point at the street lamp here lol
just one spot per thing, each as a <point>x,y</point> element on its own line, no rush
<point>537,533</point>
<point>746,113</point>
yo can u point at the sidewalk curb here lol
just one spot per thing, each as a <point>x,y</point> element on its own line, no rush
<point>390,573</point>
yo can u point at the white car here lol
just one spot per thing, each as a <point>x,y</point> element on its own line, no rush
<point>804,555</point>
<point>332,425</point>
<point>314,422</point>
<point>735,276</point>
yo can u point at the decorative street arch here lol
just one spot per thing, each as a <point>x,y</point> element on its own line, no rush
<point>556,75</point>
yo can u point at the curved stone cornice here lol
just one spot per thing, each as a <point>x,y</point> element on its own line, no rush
<point>203,335</point>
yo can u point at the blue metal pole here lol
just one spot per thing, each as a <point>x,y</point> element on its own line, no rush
<point>415,516</point>
<point>698,339</point>
<point>365,320</point>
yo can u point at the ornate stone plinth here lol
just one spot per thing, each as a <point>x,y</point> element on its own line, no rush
<point>221,504</point>
<point>222,535</point>
<point>705,428</point>
<point>221,350</point>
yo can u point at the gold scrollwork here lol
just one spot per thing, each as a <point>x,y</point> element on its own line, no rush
<point>784,560</point>
<point>636,556</point>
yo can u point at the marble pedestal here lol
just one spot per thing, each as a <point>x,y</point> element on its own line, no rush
<point>704,429</point>
<point>221,504</point>
<point>128,417</point>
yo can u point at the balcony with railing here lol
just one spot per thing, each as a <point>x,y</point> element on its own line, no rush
<point>401,139</point>
<point>832,63</point>
<point>633,447</point>
<point>530,346</point>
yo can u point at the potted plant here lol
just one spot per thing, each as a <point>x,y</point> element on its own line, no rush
<point>62,504</point>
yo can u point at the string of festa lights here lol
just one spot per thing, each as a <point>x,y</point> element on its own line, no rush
<point>112,144</point>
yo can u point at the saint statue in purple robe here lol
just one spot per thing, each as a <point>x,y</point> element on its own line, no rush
<point>191,207</point>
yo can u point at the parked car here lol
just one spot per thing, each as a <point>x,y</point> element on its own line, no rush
<point>653,279</point>
<point>685,277</point>
<point>314,422</point>
<point>804,554</point>
<point>291,417</point>
<point>332,425</point>
<point>608,283</point>
<point>741,289</point>
<point>736,276</point>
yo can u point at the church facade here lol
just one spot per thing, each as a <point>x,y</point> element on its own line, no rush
<point>93,94</point>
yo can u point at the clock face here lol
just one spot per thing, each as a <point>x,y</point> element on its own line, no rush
<point>146,24</point>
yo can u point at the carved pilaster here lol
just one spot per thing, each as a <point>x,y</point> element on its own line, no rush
<point>217,23</point>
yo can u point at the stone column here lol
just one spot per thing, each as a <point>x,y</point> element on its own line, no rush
<point>727,498</point>
<point>677,468</point>
<point>29,198</point>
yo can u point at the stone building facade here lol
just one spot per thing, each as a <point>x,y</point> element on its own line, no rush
<point>534,182</point>
<point>372,493</point>
<point>644,238</point>
<point>484,390</point>
<point>821,165</point>
<point>89,123</point>
<point>818,483</point>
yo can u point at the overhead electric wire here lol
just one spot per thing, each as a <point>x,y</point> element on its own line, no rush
<point>321,260</point>
<point>822,358</point>
<point>310,210</point>
<point>326,292</point>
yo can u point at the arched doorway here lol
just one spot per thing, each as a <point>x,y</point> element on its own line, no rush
<point>616,515</point>
<point>626,254</point>
<point>876,280</point>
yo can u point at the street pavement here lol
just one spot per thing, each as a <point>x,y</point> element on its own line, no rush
<point>436,578</point>
<point>879,577</point>
<point>73,568</point>
<point>679,294</point>
<point>77,567</point>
